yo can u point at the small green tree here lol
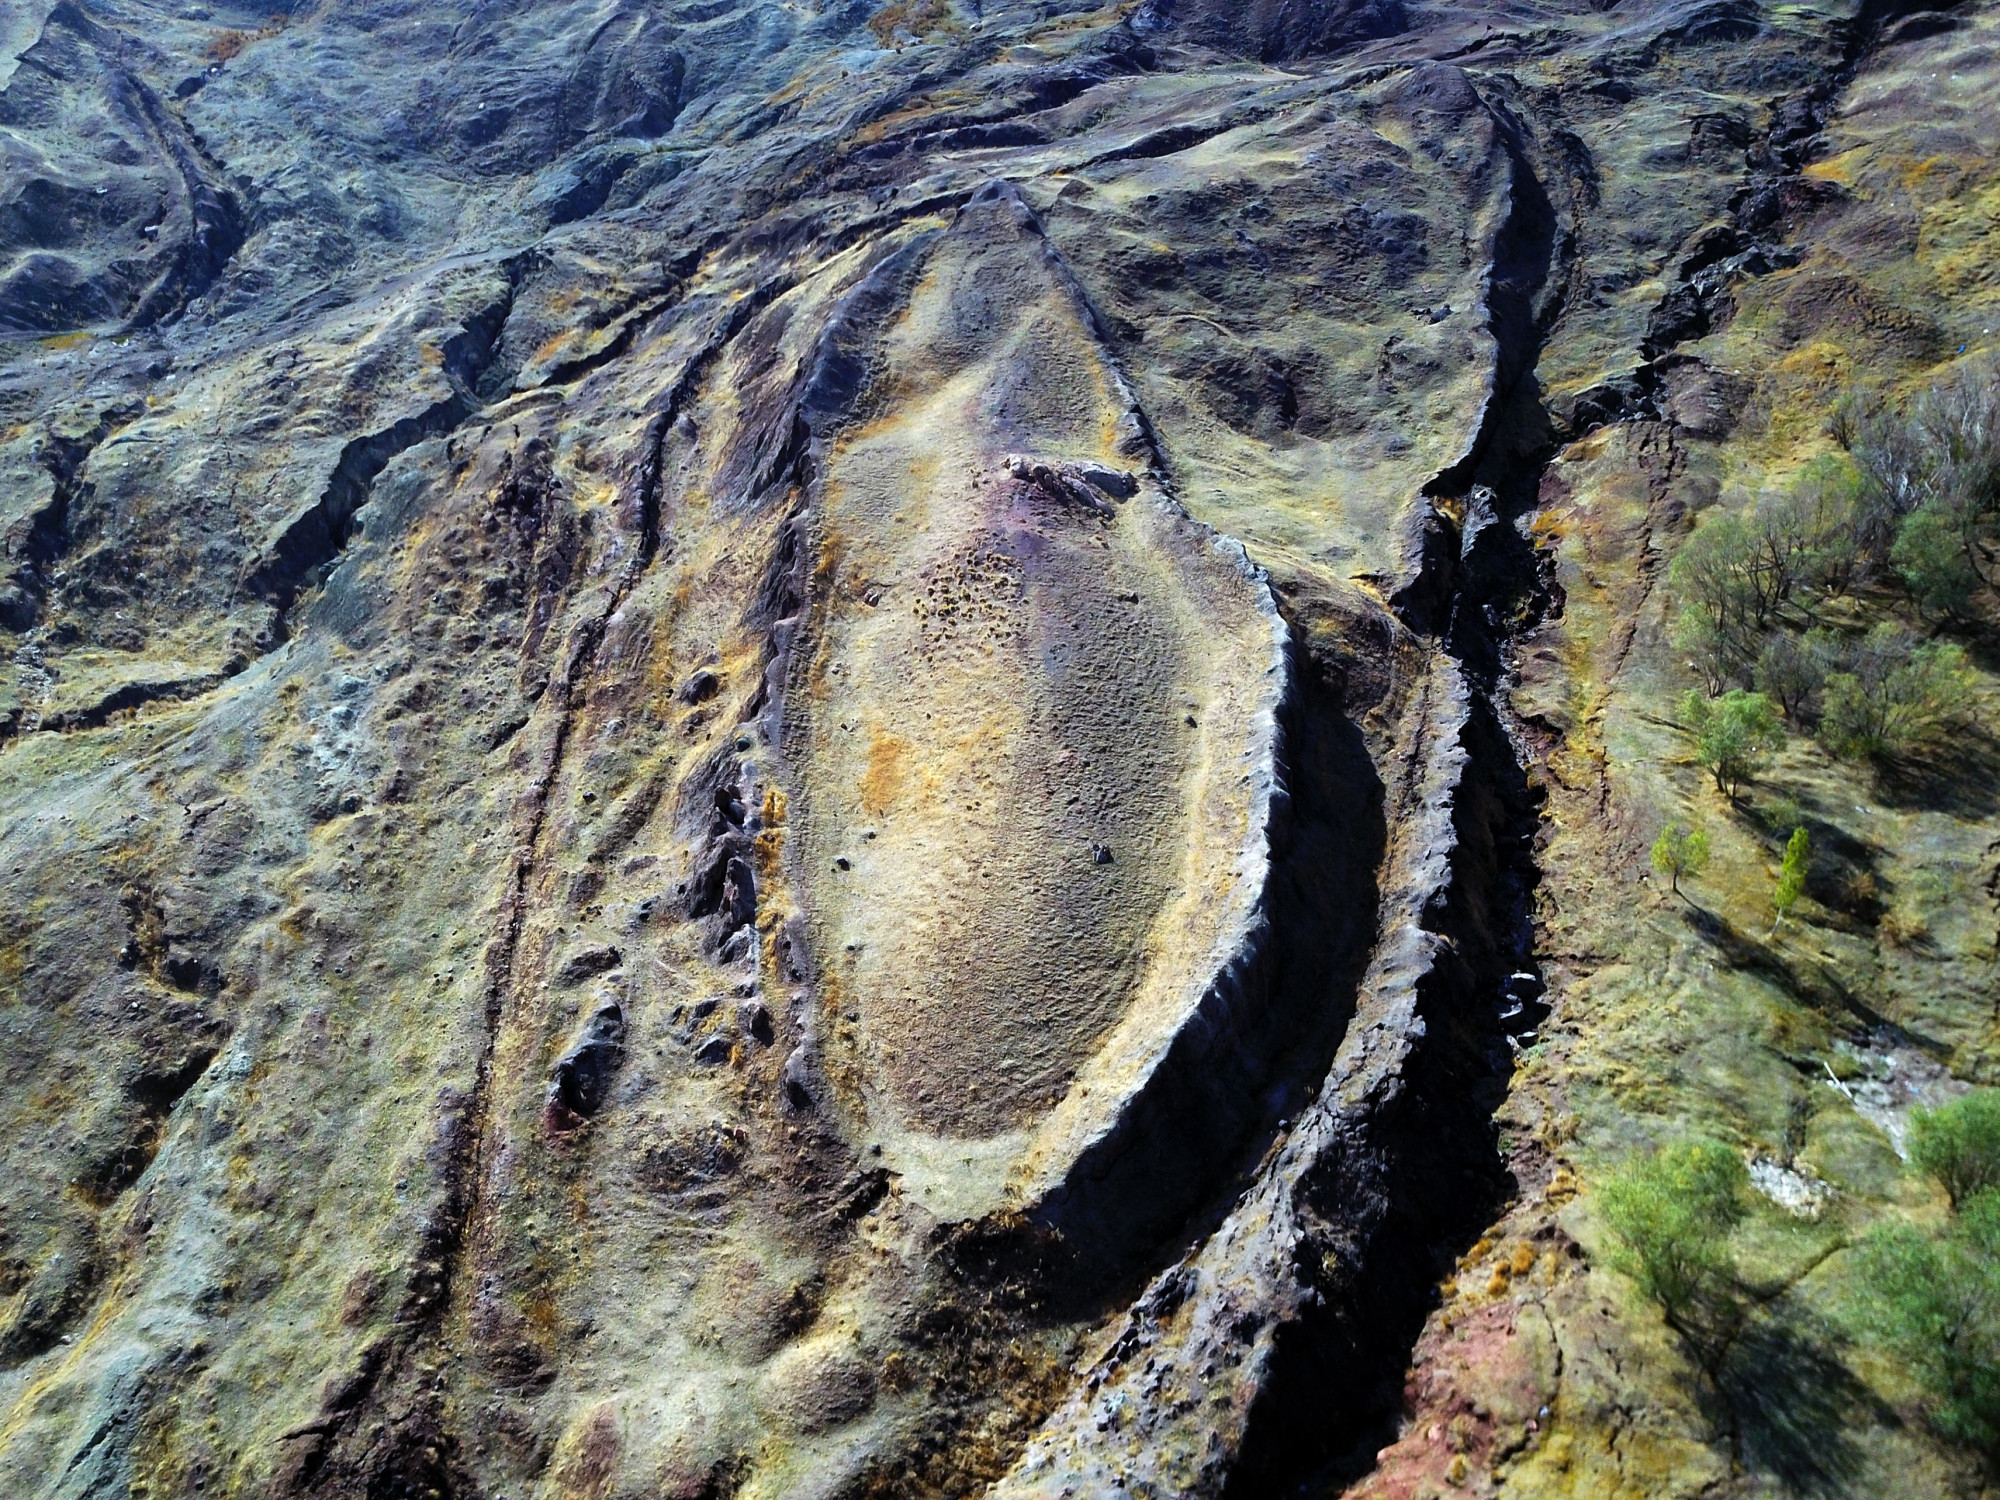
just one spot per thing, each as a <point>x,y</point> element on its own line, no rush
<point>1959,1144</point>
<point>1782,545</point>
<point>1792,875</point>
<point>1893,694</point>
<point>1714,652</point>
<point>1670,1217</point>
<point>1934,1301</point>
<point>1679,851</point>
<point>1790,670</point>
<point>1723,610</point>
<point>1733,735</point>
<point>1831,496</point>
<point>1932,556</point>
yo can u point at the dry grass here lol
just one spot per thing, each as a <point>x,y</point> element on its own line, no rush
<point>913,18</point>
<point>1903,929</point>
<point>230,44</point>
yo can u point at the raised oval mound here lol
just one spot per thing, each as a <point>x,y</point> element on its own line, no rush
<point>1039,744</point>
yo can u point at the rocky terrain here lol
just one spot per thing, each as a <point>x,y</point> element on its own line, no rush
<point>812,749</point>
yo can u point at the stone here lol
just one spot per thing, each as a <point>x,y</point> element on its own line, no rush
<point>588,962</point>
<point>582,1080</point>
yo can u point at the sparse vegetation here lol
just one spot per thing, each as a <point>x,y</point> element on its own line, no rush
<point>1679,852</point>
<point>1901,929</point>
<point>1959,1144</point>
<point>230,44</point>
<point>912,19</point>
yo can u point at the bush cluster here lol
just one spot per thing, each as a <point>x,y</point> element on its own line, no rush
<point>1932,1298</point>
<point>1929,1298</point>
<point>1932,487</point>
<point>1670,1217</point>
<point>1914,501</point>
<point>1738,578</point>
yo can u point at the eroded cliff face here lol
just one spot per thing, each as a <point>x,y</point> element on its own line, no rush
<point>761,750</point>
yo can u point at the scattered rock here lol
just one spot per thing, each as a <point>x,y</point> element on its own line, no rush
<point>1799,1192</point>
<point>582,965</point>
<point>699,1158</point>
<point>714,1052</point>
<point>862,1191</point>
<point>754,1020</point>
<point>796,1081</point>
<point>1069,483</point>
<point>819,1384</point>
<point>583,1075</point>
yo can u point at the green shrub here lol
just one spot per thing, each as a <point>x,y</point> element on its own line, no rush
<point>1782,533</point>
<point>1791,669</point>
<point>1959,1144</point>
<point>1714,652</point>
<point>1716,576</point>
<point>1734,734</point>
<point>1829,501</point>
<point>1934,1302</point>
<point>1679,851</point>
<point>1670,1218</point>
<point>1943,457</point>
<point>1934,561</point>
<point>1893,695</point>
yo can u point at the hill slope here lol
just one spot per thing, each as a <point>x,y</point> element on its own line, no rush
<point>800,749</point>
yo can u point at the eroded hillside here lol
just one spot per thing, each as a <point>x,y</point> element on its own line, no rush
<point>804,749</point>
